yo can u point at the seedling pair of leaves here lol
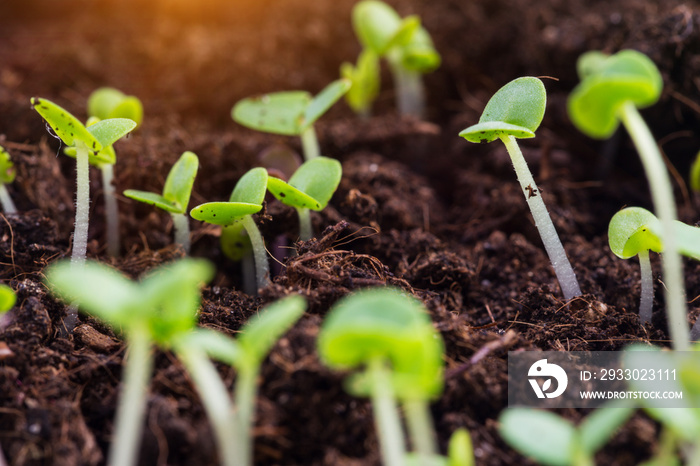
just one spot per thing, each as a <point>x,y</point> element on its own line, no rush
<point>516,111</point>
<point>108,102</point>
<point>89,142</point>
<point>389,337</point>
<point>7,176</point>
<point>404,43</point>
<point>612,87</point>
<point>291,113</point>
<point>175,196</point>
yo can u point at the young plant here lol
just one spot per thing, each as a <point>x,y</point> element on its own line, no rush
<point>516,111</point>
<point>309,188</point>
<point>404,43</point>
<point>7,176</point>
<point>291,113</point>
<point>552,440</point>
<point>246,199</point>
<point>694,177</point>
<point>365,82</point>
<point>611,89</point>
<point>8,298</point>
<point>158,310</point>
<point>389,335</point>
<point>89,143</point>
<point>108,102</point>
<point>175,197</point>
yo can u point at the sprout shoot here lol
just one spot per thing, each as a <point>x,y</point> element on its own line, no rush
<point>7,176</point>
<point>292,113</point>
<point>175,197</point>
<point>516,111</point>
<point>107,102</point>
<point>365,82</point>
<point>611,89</point>
<point>309,188</point>
<point>8,298</point>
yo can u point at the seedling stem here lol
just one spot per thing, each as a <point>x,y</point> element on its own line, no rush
<point>646,300</point>
<point>182,230</point>
<point>552,243</point>
<point>306,231</point>
<point>386,419</point>
<point>245,394</point>
<point>421,429</point>
<point>262,267</point>
<point>309,143</point>
<point>662,195</point>
<point>410,93</point>
<point>7,205</point>
<point>82,204</point>
<point>111,210</point>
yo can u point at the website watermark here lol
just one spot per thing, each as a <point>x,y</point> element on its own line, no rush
<point>588,379</point>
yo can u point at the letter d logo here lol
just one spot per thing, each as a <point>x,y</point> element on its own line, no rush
<point>552,371</point>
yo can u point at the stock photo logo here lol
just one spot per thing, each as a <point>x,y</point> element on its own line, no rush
<point>543,372</point>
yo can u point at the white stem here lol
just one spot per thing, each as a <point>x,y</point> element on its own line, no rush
<point>543,222</point>
<point>111,209</point>
<point>132,401</point>
<point>262,267</point>
<point>646,299</point>
<point>7,205</point>
<point>306,231</point>
<point>216,402</point>
<point>420,427</point>
<point>309,143</point>
<point>246,393</point>
<point>665,207</point>
<point>82,204</point>
<point>410,94</point>
<point>182,230</point>
<point>386,416</point>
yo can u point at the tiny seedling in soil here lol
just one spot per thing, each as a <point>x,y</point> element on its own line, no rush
<point>516,111</point>
<point>7,176</point>
<point>90,143</point>
<point>8,298</point>
<point>404,43</point>
<point>291,113</point>
<point>309,188</point>
<point>108,102</point>
<point>158,310</point>
<point>636,231</point>
<point>245,200</point>
<point>552,440</point>
<point>612,87</point>
<point>390,336</point>
<point>365,80</point>
<point>175,197</point>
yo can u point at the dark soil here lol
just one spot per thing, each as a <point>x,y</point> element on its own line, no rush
<point>418,208</point>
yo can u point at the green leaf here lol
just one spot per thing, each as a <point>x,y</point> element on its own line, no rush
<point>419,54</point>
<point>178,184</point>
<point>695,174</point>
<point>223,213</point>
<point>408,27</point>
<point>291,196</point>
<point>516,109</point>
<point>365,81</point>
<point>278,113</point>
<point>540,435</point>
<point>687,239</point>
<point>460,449</point>
<point>325,100</point>
<point>235,243</point>
<point>97,289</point>
<point>606,84</point>
<point>64,124</point>
<point>106,156</point>
<point>154,200</point>
<point>311,186</point>
<point>7,168</point>
<point>599,427</point>
<point>107,132</point>
<point>216,344</point>
<point>375,24</point>
<point>8,298</point>
<point>633,229</point>
<point>261,332</point>
<point>251,188</point>
<point>107,102</point>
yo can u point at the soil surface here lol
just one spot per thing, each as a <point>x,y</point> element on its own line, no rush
<point>418,208</point>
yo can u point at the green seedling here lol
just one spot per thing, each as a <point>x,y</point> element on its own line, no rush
<point>388,335</point>
<point>309,188</point>
<point>552,440</point>
<point>158,310</point>
<point>516,111</point>
<point>107,102</point>
<point>8,298</point>
<point>7,176</point>
<point>611,89</point>
<point>246,199</point>
<point>175,197</point>
<point>291,113</point>
<point>365,79</point>
<point>404,43</point>
<point>90,143</point>
<point>695,174</point>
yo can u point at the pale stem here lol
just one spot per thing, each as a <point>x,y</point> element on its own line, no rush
<point>131,411</point>
<point>543,222</point>
<point>665,206</point>
<point>306,231</point>
<point>7,205</point>
<point>421,429</point>
<point>245,395</point>
<point>262,267</point>
<point>646,299</point>
<point>216,402</point>
<point>410,94</point>
<point>111,209</point>
<point>182,230</point>
<point>82,204</point>
<point>386,416</point>
<point>309,143</point>
<point>248,272</point>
